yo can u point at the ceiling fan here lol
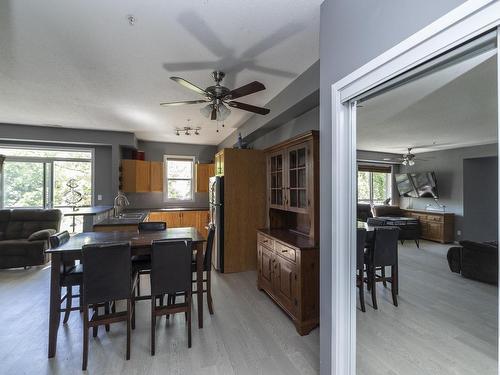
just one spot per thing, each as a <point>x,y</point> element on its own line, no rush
<point>219,97</point>
<point>407,159</point>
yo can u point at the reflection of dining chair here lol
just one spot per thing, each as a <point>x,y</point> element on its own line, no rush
<point>360,265</point>
<point>107,277</point>
<point>171,274</point>
<point>383,254</point>
<point>71,275</point>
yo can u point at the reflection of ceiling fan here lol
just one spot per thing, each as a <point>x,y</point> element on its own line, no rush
<point>407,159</point>
<point>219,96</point>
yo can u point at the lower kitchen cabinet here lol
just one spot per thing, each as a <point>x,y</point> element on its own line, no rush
<point>288,271</point>
<point>177,219</point>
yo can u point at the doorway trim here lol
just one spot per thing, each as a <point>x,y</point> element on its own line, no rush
<point>465,22</point>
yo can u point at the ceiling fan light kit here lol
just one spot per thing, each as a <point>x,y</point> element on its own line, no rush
<point>220,97</point>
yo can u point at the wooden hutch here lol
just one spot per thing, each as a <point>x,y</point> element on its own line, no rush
<point>287,250</point>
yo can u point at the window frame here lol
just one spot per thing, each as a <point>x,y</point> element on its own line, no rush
<point>48,185</point>
<point>192,159</point>
<point>371,171</point>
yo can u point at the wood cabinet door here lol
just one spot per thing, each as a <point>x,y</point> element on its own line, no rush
<point>284,282</point>
<point>265,267</point>
<point>298,167</point>
<point>202,176</point>
<point>202,220</point>
<point>189,218</point>
<point>155,216</point>
<point>156,176</point>
<point>276,180</point>
<point>142,176</point>
<point>173,219</point>
<point>435,231</point>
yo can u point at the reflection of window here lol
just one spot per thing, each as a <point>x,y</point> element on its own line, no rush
<point>38,177</point>
<point>179,172</point>
<point>374,184</point>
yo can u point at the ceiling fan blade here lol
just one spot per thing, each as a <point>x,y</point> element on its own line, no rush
<point>189,85</point>
<point>173,104</point>
<point>246,90</point>
<point>249,108</point>
<point>213,115</point>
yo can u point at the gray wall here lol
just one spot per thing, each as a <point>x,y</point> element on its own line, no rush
<point>448,166</point>
<point>303,123</point>
<point>106,144</point>
<point>294,100</point>
<point>351,34</point>
<point>481,199</point>
<point>156,151</point>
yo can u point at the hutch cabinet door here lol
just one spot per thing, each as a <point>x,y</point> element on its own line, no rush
<point>298,178</point>
<point>276,180</point>
<point>265,267</point>
<point>284,283</point>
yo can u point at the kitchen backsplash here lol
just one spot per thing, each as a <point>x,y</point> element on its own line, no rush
<point>155,200</point>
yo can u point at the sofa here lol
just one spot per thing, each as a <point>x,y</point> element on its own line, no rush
<point>24,236</point>
<point>394,215</point>
<point>475,260</point>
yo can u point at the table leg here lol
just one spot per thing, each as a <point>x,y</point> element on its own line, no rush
<point>55,302</point>
<point>199,282</point>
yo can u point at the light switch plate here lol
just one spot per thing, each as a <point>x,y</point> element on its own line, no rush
<point>99,197</point>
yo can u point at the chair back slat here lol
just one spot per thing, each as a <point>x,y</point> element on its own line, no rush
<point>152,226</point>
<point>59,239</point>
<point>385,250</point>
<point>207,261</point>
<point>107,272</point>
<point>360,248</point>
<point>171,266</point>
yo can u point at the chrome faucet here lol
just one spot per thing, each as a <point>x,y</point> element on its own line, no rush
<point>119,202</point>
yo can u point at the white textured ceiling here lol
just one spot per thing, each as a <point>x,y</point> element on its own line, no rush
<point>454,107</point>
<point>81,64</point>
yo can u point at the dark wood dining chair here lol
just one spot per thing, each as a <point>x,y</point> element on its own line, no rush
<point>360,265</point>
<point>141,264</point>
<point>107,277</point>
<point>384,253</point>
<point>71,276</point>
<point>207,268</point>
<point>170,274</point>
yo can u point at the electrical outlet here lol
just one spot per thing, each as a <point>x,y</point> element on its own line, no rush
<point>99,197</point>
<point>459,232</point>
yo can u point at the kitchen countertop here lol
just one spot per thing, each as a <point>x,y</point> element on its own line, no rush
<point>87,211</point>
<point>145,212</point>
<point>289,237</point>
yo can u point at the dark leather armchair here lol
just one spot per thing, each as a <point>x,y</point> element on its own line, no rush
<point>388,211</point>
<point>475,260</point>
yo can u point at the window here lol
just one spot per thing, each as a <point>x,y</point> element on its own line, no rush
<point>374,184</point>
<point>40,177</point>
<point>179,172</point>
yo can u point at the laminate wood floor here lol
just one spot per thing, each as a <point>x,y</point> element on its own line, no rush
<point>444,324</point>
<point>248,334</point>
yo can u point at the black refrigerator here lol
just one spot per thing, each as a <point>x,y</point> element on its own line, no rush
<point>216,207</point>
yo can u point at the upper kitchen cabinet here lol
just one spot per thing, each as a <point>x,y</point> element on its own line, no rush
<point>203,173</point>
<point>219,163</point>
<point>140,176</point>
<point>156,175</point>
<point>293,184</point>
<point>136,176</point>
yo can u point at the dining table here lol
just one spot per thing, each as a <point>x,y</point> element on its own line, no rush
<point>140,245</point>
